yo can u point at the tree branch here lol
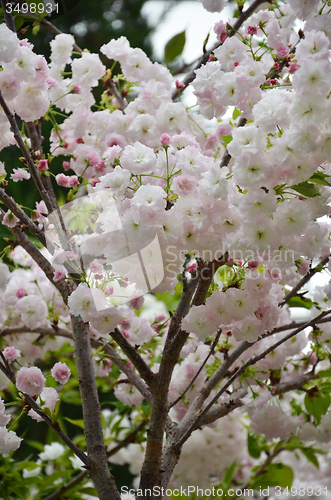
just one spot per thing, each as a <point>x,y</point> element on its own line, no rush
<point>25,220</point>
<point>145,372</point>
<point>212,349</point>
<point>98,465</point>
<point>304,280</point>
<point>204,58</point>
<point>9,20</point>
<point>64,287</point>
<point>107,349</point>
<point>55,426</point>
<point>26,154</point>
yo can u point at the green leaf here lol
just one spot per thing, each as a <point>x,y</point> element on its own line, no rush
<point>306,189</point>
<point>35,444</point>
<point>300,302</point>
<point>310,456</point>
<point>254,448</point>
<point>320,178</point>
<point>275,475</point>
<point>324,373</point>
<point>27,466</point>
<point>19,21</point>
<point>36,29</point>
<point>78,423</point>
<point>226,139</point>
<point>236,113</point>
<point>89,491</point>
<point>174,47</point>
<point>229,474</point>
<point>317,403</point>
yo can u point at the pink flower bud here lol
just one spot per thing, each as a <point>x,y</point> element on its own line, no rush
<point>180,85</point>
<point>109,291</point>
<point>30,380</point>
<point>42,165</point>
<point>293,67</point>
<point>79,140</point>
<point>98,276</point>
<point>51,82</point>
<point>20,293</point>
<point>61,372</point>
<point>191,268</point>
<point>235,64</point>
<point>58,276</point>
<point>252,30</point>
<point>66,165</point>
<point>106,365</point>
<point>165,139</point>
<point>253,264</point>
<point>76,89</point>
<point>11,354</point>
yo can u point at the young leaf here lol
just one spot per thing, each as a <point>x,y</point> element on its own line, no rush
<point>300,302</point>
<point>174,47</point>
<point>306,189</point>
<point>317,404</point>
<point>78,423</point>
<point>320,178</point>
<point>275,475</point>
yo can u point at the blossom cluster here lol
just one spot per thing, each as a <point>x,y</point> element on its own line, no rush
<point>162,204</point>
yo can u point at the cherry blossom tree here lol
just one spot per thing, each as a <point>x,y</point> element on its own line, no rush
<point>188,236</point>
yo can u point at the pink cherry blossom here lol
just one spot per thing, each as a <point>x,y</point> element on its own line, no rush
<point>42,165</point>
<point>11,354</point>
<point>61,372</point>
<point>19,174</point>
<point>30,380</point>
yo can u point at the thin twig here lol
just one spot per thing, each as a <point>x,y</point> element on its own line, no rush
<point>9,20</point>
<point>24,219</point>
<point>304,280</point>
<point>26,154</point>
<point>56,427</point>
<point>204,58</point>
<point>212,349</point>
<point>144,370</point>
<point>96,344</point>
<point>62,286</point>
